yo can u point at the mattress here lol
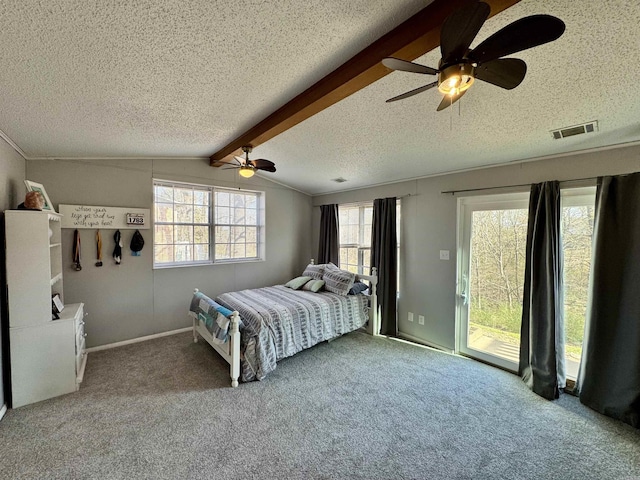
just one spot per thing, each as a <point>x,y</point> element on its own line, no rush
<point>278,322</point>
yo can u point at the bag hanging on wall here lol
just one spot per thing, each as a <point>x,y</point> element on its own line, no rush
<point>137,242</point>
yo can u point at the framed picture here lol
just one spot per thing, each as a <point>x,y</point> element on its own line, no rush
<point>37,187</point>
<point>56,306</point>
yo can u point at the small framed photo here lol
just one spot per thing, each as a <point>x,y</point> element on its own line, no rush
<point>56,306</point>
<point>38,187</point>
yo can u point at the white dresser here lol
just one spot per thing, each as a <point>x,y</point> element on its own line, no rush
<point>47,356</point>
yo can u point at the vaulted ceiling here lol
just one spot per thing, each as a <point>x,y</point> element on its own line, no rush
<point>183,79</point>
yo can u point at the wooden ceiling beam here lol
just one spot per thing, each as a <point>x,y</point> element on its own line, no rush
<point>411,39</point>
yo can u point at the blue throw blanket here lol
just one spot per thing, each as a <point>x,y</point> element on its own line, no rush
<point>213,315</point>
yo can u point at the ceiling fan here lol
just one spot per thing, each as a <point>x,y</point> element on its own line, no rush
<point>246,168</point>
<point>460,66</point>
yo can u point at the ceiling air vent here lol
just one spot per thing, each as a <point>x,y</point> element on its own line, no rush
<point>565,132</point>
<point>339,180</point>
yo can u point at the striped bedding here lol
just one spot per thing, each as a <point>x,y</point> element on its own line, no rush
<point>279,322</point>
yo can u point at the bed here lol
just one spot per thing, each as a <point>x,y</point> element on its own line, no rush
<point>254,329</point>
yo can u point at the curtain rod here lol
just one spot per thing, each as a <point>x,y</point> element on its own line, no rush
<point>398,197</point>
<point>453,192</point>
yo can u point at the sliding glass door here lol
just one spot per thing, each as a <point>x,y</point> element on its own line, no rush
<point>578,205</point>
<point>492,235</point>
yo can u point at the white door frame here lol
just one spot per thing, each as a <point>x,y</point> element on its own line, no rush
<point>466,207</point>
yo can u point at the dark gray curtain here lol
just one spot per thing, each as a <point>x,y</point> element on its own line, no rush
<point>384,256</point>
<point>329,248</point>
<point>542,330</point>
<point>609,377</point>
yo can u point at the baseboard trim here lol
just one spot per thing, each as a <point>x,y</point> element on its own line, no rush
<point>137,340</point>
<point>420,341</point>
<point>3,410</point>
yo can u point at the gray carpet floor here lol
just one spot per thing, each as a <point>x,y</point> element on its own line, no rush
<point>358,407</point>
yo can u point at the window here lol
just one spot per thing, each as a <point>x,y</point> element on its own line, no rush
<point>199,224</point>
<point>355,237</point>
<point>355,223</point>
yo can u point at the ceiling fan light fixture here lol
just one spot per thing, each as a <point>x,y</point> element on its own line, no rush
<point>246,171</point>
<point>455,79</point>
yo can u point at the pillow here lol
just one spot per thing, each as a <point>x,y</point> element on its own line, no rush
<point>313,285</point>
<point>338,281</point>
<point>297,283</point>
<point>314,271</point>
<point>358,287</point>
<point>331,266</point>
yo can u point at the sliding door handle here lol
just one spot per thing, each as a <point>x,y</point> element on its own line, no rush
<point>464,294</point>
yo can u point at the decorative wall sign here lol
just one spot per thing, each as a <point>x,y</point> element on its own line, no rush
<point>135,219</point>
<point>86,216</point>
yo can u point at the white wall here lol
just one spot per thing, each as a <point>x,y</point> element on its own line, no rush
<point>132,299</point>
<point>429,223</point>
<point>12,191</point>
<point>12,175</point>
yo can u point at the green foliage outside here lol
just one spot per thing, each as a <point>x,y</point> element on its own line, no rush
<point>498,252</point>
<point>503,324</point>
<point>502,318</point>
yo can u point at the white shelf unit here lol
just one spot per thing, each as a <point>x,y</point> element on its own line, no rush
<point>47,356</point>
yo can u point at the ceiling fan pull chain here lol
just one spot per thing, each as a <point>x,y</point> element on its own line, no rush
<point>451,115</point>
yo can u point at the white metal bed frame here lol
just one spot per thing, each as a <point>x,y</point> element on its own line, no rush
<point>230,350</point>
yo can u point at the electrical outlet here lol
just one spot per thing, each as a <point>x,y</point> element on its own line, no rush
<point>410,317</point>
<point>444,254</point>
<point>421,319</point>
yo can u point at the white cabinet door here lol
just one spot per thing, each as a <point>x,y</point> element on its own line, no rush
<point>42,361</point>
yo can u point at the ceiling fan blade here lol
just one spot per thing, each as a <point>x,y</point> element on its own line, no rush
<point>411,93</point>
<point>504,72</point>
<point>459,30</point>
<point>449,100</point>
<point>239,160</point>
<point>262,163</point>
<point>405,66</point>
<point>520,35</point>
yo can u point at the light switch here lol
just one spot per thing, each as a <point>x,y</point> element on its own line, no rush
<point>444,254</point>
<point>410,316</point>
<point>421,319</point>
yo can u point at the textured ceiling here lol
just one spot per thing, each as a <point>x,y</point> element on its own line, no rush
<point>173,78</point>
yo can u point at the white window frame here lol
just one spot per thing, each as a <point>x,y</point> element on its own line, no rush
<point>362,206</point>
<point>212,189</point>
<point>361,249</point>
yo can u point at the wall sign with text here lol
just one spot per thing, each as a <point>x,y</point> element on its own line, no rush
<point>136,220</point>
<point>87,216</point>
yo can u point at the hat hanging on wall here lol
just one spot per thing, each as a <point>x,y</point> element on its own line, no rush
<point>137,242</point>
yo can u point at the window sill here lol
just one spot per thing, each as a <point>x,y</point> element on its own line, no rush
<point>208,264</point>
